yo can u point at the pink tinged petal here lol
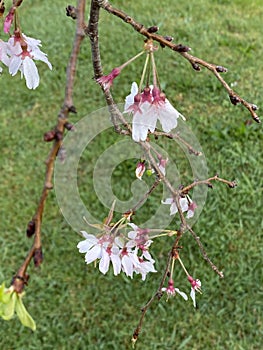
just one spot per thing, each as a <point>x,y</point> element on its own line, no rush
<point>3,53</point>
<point>135,227</point>
<point>39,55</point>
<point>190,214</point>
<point>173,208</point>
<point>139,129</point>
<point>15,64</point>
<point>183,204</point>
<point>168,201</point>
<point>116,263</point>
<point>104,262</point>
<point>129,100</point>
<point>93,254</point>
<point>168,116</point>
<point>31,73</point>
<point>90,237</point>
<point>127,266</point>
<point>83,246</point>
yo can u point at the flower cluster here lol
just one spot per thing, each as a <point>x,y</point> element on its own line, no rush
<point>186,204</point>
<point>18,54</point>
<point>128,254</point>
<point>147,108</point>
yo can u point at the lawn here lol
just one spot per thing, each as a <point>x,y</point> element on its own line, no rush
<point>73,304</point>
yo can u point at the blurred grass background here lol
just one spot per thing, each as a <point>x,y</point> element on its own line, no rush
<point>76,307</point>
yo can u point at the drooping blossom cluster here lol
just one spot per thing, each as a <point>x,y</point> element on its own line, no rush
<point>129,254</point>
<point>147,108</point>
<point>18,54</point>
<point>147,105</point>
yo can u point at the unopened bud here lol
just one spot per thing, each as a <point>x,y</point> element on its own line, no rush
<point>2,8</point>
<point>221,69</point>
<point>69,126</point>
<point>234,99</point>
<point>196,66</point>
<point>49,136</point>
<point>232,184</point>
<point>72,109</point>
<point>168,38</point>
<point>71,11</point>
<point>30,231</point>
<point>181,48</point>
<point>254,107</point>
<point>153,29</point>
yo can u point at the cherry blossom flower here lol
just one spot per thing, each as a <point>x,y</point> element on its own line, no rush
<point>102,248</point>
<point>196,286</point>
<point>21,51</point>
<point>186,204</point>
<point>140,169</point>
<point>172,291</point>
<point>4,58</point>
<point>148,107</point>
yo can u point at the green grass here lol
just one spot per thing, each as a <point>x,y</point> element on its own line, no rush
<point>76,307</point>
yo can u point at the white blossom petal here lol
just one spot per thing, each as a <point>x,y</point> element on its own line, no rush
<point>31,73</point>
<point>93,254</point>
<point>181,293</point>
<point>104,262</point>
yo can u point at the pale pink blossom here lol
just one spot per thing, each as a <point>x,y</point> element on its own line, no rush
<point>103,249</point>
<point>195,287</point>
<point>4,58</point>
<point>186,204</point>
<point>22,50</point>
<point>148,107</point>
<point>172,291</point>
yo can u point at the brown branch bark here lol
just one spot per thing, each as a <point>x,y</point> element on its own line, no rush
<point>21,277</point>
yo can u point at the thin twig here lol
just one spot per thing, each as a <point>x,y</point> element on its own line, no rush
<point>20,277</point>
<point>183,51</point>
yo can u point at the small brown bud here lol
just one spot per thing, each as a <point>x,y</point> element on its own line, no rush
<point>71,11</point>
<point>153,29</point>
<point>181,48</point>
<point>72,109</point>
<point>209,185</point>
<point>234,100</point>
<point>196,66</point>
<point>49,136</point>
<point>69,126</point>
<point>31,226</point>
<point>168,38</point>
<point>2,8</point>
<point>232,184</point>
<point>254,107</point>
<point>221,69</point>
